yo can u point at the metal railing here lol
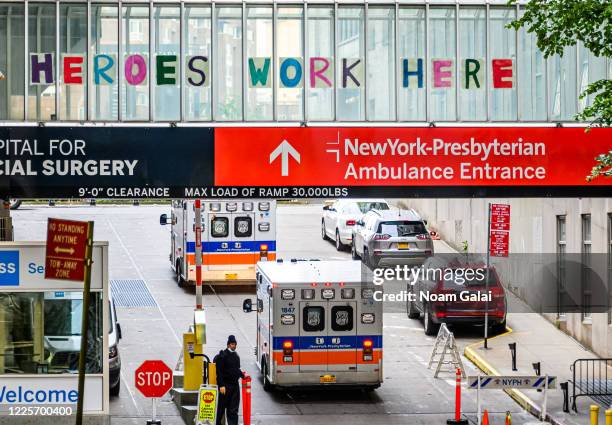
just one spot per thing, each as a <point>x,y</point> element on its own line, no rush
<point>592,378</point>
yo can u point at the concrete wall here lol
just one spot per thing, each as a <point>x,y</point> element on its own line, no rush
<point>533,230</point>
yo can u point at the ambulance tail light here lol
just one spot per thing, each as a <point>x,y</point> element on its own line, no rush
<point>367,318</point>
<point>288,351</point>
<point>350,222</point>
<point>263,252</point>
<point>368,352</point>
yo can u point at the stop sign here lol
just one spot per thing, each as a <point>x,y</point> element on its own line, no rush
<point>153,378</point>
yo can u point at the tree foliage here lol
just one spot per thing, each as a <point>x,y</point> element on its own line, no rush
<point>558,24</point>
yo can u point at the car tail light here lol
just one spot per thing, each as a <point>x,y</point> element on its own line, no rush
<point>383,237</point>
<point>423,237</point>
<point>288,351</point>
<point>350,222</point>
<point>368,351</point>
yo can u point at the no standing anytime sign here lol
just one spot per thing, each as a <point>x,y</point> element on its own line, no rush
<point>66,249</point>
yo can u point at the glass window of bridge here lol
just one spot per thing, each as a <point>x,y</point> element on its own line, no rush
<point>103,86</point>
<point>532,79</point>
<point>442,64</point>
<point>562,83</point>
<point>503,46</point>
<point>380,81</point>
<point>259,64</point>
<point>290,71</point>
<point>42,29</point>
<point>321,63</point>
<point>73,61</point>
<point>350,51</point>
<point>135,69</point>
<point>412,78</point>
<point>166,63</point>
<point>472,65</point>
<point>12,45</point>
<point>227,62</point>
<point>197,26</point>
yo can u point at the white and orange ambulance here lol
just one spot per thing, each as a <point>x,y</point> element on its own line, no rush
<point>317,324</point>
<point>236,234</point>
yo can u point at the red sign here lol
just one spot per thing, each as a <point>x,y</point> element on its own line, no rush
<point>66,249</point>
<point>500,230</point>
<point>153,378</point>
<point>408,156</point>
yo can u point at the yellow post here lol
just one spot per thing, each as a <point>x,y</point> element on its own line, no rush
<point>608,417</point>
<point>594,414</point>
<point>192,378</point>
<point>212,375</point>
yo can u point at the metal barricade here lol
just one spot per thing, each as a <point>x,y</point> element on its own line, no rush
<point>592,378</point>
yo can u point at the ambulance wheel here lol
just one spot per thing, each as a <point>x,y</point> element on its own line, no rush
<point>411,310</point>
<point>339,244</point>
<point>354,254</point>
<point>179,278</point>
<point>431,329</point>
<point>267,385</point>
<point>323,233</point>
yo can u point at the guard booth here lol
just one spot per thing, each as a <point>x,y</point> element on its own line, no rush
<point>40,328</point>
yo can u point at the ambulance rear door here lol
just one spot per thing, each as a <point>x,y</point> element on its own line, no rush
<point>218,240</point>
<point>243,238</point>
<point>313,336</point>
<point>342,333</point>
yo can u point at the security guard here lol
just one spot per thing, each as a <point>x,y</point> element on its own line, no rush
<point>228,374</point>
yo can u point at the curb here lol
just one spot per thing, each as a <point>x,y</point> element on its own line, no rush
<point>521,399</point>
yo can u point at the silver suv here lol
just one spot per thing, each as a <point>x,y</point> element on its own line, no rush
<point>391,237</point>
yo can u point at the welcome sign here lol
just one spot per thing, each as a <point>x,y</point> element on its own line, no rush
<point>291,71</point>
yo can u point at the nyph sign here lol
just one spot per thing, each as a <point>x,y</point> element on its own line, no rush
<point>293,72</point>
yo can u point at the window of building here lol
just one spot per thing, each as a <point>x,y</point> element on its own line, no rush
<point>561,265</point>
<point>73,43</point>
<point>586,265</point>
<point>563,90</point>
<point>502,46</point>
<point>350,53</point>
<point>259,64</point>
<point>442,66</point>
<point>321,63</point>
<point>103,89</point>
<point>197,60</point>
<point>228,64</point>
<point>42,30</point>
<point>12,61</point>
<point>412,77</point>
<point>473,64</point>
<point>290,71</point>
<point>380,81</point>
<point>135,64</point>
<point>166,63</point>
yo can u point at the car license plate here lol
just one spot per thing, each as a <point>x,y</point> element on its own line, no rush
<point>327,379</point>
<point>403,245</point>
<point>231,276</point>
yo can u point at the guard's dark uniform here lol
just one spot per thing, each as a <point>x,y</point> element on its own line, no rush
<point>228,374</point>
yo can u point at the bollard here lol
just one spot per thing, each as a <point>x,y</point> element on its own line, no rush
<point>512,347</point>
<point>608,417</point>
<point>594,414</point>
<point>246,400</point>
<point>565,388</point>
<point>457,420</point>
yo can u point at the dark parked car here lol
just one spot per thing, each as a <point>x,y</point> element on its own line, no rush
<point>453,292</point>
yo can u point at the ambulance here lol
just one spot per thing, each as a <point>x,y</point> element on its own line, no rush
<point>317,325</point>
<point>236,234</point>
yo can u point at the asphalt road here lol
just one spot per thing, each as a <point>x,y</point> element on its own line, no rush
<point>139,249</point>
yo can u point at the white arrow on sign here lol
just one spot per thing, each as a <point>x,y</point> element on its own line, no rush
<point>284,149</point>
